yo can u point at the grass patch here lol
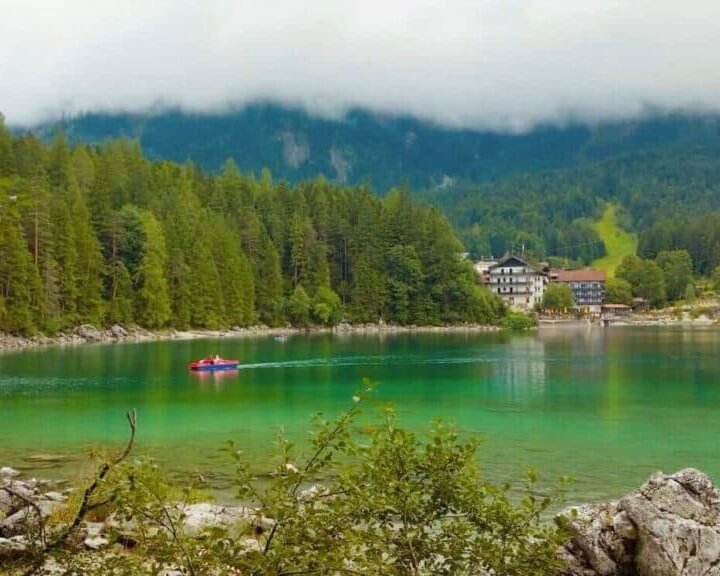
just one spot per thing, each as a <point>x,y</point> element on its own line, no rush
<point>618,242</point>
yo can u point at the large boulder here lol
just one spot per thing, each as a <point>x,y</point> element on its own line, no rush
<point>670,526</point>
<point>197,517</point>
<point>89,333</point>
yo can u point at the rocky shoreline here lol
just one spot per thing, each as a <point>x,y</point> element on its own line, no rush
<point>670,526</point>
<point>87,334</point>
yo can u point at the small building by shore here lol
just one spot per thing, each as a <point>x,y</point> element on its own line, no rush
<point>588,288</point>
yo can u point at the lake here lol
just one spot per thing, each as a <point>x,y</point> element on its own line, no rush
<point>607,406</point>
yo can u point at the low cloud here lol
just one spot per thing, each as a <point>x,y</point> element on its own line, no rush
<point>491,64</point>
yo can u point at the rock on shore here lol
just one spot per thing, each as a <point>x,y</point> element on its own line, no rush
<point>670,526</point>
<point>87,334</point>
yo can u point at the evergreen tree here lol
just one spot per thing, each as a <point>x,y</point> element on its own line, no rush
<point>89,270</point>
<point>206,301</point>
<point>17,273</point>
<point>235,277</point>
<point>7,156</point>
<point>152,303</point>
<point>405,283</point>
<point>66,256</point>
<point>120,304</point>
<point>369,292</point>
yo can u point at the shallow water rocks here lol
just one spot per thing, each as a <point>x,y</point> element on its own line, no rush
<point>7,472</point>
<point>670,526</point>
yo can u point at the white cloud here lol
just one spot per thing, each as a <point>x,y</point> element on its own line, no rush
<point>505,64</point>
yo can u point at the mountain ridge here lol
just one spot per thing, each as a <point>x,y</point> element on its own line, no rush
<point>379,149</point>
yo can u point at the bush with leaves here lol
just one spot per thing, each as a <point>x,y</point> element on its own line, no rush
<point>519,321</point>
<point>385,502</point>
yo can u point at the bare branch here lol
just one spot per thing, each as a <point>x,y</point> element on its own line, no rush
<point>85,505</point>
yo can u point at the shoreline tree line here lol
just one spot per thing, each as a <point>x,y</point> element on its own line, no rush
<point>102,235</point>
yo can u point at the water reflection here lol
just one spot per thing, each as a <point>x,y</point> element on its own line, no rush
<point>216,380</point>
<point>522,372</point>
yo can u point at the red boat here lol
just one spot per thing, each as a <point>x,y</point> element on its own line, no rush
<point>214,364</point>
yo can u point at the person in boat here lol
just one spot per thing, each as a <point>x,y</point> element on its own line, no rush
<point>216,359</point>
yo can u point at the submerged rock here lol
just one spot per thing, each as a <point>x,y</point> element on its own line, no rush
<point>670,526</point>
<point>8,472</point>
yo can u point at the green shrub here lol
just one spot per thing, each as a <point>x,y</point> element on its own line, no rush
<point>519,321</point>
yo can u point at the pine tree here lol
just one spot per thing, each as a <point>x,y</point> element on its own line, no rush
<point>120,300</point>
<point>65,252</point>
<point>152,304</point>
<point>236,279</point>
<point>7,155</point>
<point>89,270</point>
<point>368,292</point>
<point>206,301</point>
<point>17,273</point>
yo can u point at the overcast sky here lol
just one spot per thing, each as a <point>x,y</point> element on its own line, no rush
<point>502,64</point>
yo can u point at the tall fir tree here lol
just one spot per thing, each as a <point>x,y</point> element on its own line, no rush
<point>152,303</point>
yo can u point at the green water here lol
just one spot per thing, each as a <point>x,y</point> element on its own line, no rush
<point>606,406</point>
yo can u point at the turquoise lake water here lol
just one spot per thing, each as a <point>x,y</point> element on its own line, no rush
<point>606,406</point>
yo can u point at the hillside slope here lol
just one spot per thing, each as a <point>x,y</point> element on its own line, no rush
<point>381,150</point>
<point>618,242</point>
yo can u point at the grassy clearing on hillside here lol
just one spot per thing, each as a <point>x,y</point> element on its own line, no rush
<point>618,242</point>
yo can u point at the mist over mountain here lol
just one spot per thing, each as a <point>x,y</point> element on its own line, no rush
<point>382,150</point>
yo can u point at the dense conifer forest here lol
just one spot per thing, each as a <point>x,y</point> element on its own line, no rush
<point>538,192</point>
<point>102,235</point>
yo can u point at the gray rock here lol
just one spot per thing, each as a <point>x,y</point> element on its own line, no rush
<point>93,529</point>
<point>204,515</point>
<point>19,522</point>
<point>54,496</point>
<point>96,542</point>
<point>670,526</point>
<point>170,572</point>
<point>11,547</point>
<point>89,333</point>
<point>8,472</point>
<point>118,331</point>
<point>11,502</point>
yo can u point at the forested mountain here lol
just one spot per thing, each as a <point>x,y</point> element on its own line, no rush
<point>539,193</point>
<point>100,234</point>
<point>382,150</point>
<point>667,194</point>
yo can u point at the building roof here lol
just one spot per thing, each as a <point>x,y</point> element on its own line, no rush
<point>509,260</point>
<point>579,275</point>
